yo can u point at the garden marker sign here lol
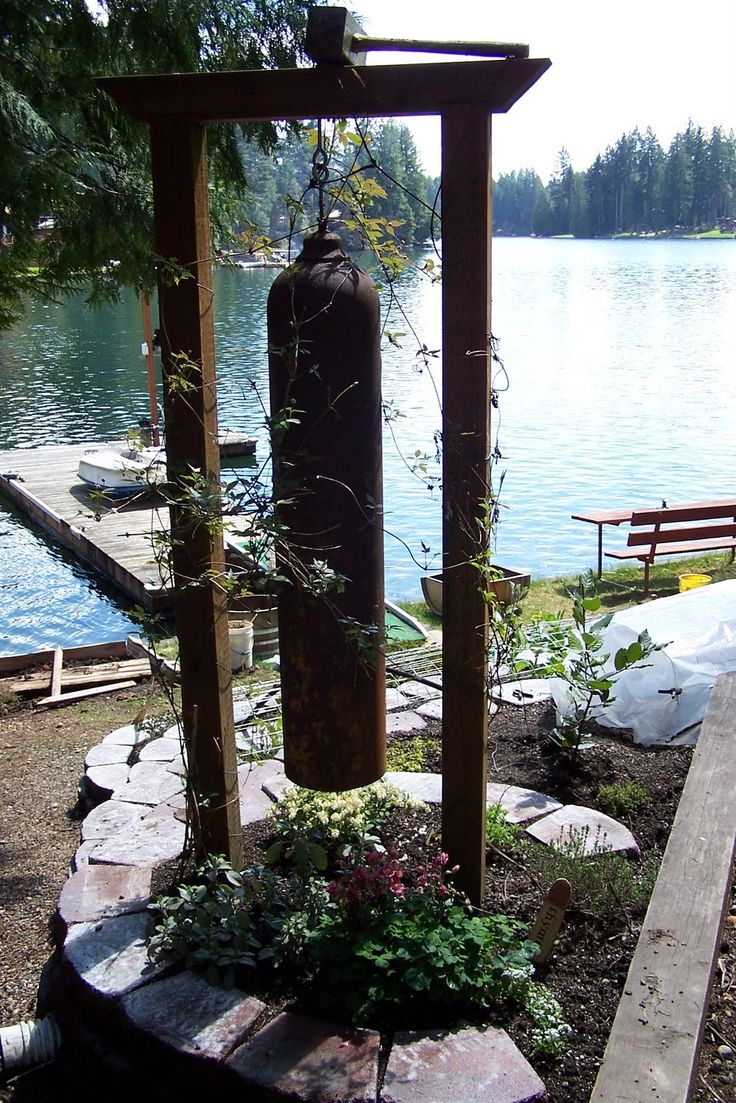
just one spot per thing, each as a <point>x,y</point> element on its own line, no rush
<point>177,108</point>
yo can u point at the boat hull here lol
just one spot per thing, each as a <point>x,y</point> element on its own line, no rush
<point>508,588</point>
<point>120,474</point>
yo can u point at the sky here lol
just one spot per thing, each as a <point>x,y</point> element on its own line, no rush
<point>615,66</point>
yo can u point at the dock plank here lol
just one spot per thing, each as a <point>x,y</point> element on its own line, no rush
<point>117,541</point>
<point>652,1051</point>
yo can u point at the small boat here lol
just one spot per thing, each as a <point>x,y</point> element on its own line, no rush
<point>509,587</point>
<point>232,443</point>
<point>401,627</point>
<point>122,471</point>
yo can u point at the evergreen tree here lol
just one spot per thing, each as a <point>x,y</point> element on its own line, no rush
<point>71,156</point>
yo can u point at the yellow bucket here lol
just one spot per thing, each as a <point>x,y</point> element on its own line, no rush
<point>692,581</point>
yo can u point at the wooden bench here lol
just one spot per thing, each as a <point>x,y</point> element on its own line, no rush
<point>680,530</point>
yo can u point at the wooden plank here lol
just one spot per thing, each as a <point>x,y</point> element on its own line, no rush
<point>330,91</point>
<point>56,671</point>
<point>673,549</point>
<point>78,694</point>
<point>672,536</point>
<point>181,218</point>
<point>105,672</point>
<point>697,511</point>
<point>11,664</point>
<point>466,322</point>
<point>652,1051</point>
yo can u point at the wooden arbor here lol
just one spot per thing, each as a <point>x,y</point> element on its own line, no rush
<point>177,108</point>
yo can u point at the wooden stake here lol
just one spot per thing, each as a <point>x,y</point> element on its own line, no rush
<point>55,687</point>
<point>181,211</point>
<point>547,927</point>
<point>150,367</point>
<point>466,324</point>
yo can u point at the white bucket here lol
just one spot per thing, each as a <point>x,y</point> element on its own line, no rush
<point>34,1042</point>
<point>241,644</point>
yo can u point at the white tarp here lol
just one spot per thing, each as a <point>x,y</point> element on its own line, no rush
<point>666,698</point>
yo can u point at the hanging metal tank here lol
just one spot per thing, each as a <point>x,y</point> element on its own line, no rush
<point>325,377</point>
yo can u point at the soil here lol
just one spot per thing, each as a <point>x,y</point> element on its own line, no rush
<point>41,759</point>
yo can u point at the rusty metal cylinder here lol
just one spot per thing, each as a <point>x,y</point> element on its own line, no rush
<point>325,380</point>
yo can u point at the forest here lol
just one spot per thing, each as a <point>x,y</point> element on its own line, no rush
<point>634,187</point>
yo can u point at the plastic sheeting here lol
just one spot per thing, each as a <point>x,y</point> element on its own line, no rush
<point>664,699</point>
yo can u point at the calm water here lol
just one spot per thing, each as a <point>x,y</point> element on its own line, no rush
<point>617,391</point>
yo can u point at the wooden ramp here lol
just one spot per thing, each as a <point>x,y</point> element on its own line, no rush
<point>44,485</point>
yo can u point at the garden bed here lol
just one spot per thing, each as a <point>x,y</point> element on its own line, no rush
<point>589,964</point>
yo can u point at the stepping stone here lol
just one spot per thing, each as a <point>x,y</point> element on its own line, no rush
<point>156,839</point>
<point>108,754</point>
<point>527,691</point>
<point>190,1016</point>
<point>102,781</point>
<point>404,722</point>
<point>149,783</point>
<point>128,736</point>
<point>520,804</point>
<point>176,766</point>
<point>431,710</point>
<point>100,892</point>
<point>110,818</point>
<point>242,711</point>
<point>426,788</point>
<point>395,699</point>
<point>601,831</point>
<point>420,690</point>
<point>475,1066</point>
<point>174,732</point>
<point>109,957</point>
<point>160,750</point>
<point>260,785</point>
<point>302,1059</point>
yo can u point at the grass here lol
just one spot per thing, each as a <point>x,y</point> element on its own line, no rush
<point>624,585</point>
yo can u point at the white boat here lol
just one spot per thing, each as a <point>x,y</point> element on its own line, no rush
<point>120,472</point>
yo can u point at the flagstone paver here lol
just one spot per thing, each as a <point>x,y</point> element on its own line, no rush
<point>108,754</point>
<point>423,787</point>
<point>148,783</point>
<point>594,830</point>
<point>520,804</point>
<point>431,710</point>
<point>395,699</point>
<point>101,892</point>
<point>186,1014</point>
<point>296,1057</point>
<point>472,1066</point>
<point>127,736</point>
<point>160,750</point>
<point>155,839</point>
<point>404,722</point>
<point>102,781</point>
<point>109,958</point>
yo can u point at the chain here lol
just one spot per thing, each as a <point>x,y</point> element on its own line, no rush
<point>320,174</point>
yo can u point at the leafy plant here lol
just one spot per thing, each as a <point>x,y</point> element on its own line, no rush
<point>603,882</point>
<point>622,798</point>
<point>219,920</point>
<point>383,945</point>
<point>314,828</point>
<point>501,835</point>
<point>587,671</point>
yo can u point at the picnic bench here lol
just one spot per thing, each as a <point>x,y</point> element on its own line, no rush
<point>680,529</point>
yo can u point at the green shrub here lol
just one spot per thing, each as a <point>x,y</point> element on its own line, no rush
<point>409,755</point>
<point>604,882</point>
<point>622,798</point>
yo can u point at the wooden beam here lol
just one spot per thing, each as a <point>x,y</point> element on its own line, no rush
<point>55,687</point>
<point>332,92</point>
<point>181,212</point>
<point>78,694</point>
<point>652,1051</point>
<point>466,326</point>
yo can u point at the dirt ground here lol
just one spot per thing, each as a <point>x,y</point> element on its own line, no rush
<point>41,761</point>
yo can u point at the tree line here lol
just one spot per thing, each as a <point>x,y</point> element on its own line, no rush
<point>635,187</point>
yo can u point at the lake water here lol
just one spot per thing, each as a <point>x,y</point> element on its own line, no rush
<point>617,390</point>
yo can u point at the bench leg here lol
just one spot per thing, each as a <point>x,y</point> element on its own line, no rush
<point>646,576</point>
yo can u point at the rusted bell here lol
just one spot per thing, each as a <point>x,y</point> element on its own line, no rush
<point>325,371</point>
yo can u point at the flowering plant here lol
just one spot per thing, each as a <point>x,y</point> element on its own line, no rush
<point>314,828</point>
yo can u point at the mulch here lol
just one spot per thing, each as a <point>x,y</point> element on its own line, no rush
<point>41,760</point>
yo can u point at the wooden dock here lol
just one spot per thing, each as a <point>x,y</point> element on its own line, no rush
<point>118,539</point>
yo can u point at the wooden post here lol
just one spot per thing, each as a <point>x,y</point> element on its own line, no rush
<point>466,324</point>
<point>179,163</point>
<point>150,367</point>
